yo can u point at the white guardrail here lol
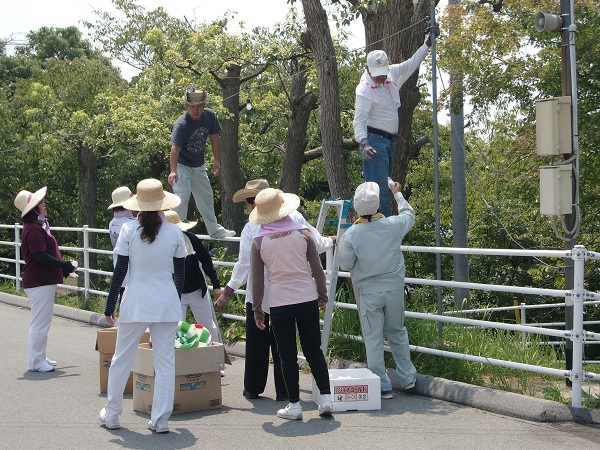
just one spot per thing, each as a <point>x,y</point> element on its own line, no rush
<point>576,298</point>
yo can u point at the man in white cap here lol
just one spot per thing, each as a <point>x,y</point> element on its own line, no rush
<point>188,171</point>
<point>376,113</point>
<point>370,250</point>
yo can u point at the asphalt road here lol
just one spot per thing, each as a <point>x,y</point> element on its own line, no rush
<point>59,410</point>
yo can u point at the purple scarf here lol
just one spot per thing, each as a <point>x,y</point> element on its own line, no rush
<point>280,226</point>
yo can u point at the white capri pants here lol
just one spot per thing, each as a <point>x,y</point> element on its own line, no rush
<point>41,301</point>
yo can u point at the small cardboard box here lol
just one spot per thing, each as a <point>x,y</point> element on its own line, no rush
<point>106,341</point>
<point>352,390</point>
<point>197,379</point>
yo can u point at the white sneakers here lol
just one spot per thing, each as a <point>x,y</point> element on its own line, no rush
<point>293,411</point>
<point>326,405</point>
<point>110,422</point>
<point>223,234</point>
<point>45,367</point>
<point>161,426</point>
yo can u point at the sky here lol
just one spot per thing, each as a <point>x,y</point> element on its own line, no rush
<point>21,16</point>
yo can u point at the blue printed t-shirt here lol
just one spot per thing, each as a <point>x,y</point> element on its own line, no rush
<point>191,135</point>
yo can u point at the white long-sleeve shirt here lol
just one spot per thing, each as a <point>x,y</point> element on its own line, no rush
<point>377,104</point>
<point>241,269</point>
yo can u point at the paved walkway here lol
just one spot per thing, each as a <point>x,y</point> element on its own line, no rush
<point>59,410</point>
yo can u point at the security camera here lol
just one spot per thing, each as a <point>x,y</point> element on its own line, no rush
<point>547,22</point>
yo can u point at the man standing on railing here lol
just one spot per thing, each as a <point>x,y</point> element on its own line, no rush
<point>370,250</point>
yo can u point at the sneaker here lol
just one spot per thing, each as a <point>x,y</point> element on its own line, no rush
<point>223,234</point>
<point>45,367</point>
<point>293,411</point>
<point>387,394</point>
<point>110,422</point>
<point>222,373</point>
<point>250,395</point>
<point>52,363</point>
<point>326,405</point>
<point>161,426</point>
<point>410,385</point>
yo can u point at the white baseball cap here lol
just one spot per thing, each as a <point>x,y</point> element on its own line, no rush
<point>377,62</point>
<point>366,199</point>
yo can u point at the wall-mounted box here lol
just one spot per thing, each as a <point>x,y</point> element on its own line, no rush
<point>553,126</point>
<point>556,189</point>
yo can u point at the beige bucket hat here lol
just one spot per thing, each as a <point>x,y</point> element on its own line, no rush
<point>25,201</point>
<point>273,204</point>
<point>253,187</point>
<point>150,196</point>
<point>119,196</point>
<point>173,217</point>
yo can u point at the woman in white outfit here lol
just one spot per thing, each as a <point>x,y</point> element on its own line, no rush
<point>152,251</point>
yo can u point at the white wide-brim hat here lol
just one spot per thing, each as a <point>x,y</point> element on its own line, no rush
<point>253,187</point>
<point>273,204</point>
<point>150,196</point>
<point>25,201</point>
<point>173,217</point>
<point>366,199</point>
<point>119,196</point>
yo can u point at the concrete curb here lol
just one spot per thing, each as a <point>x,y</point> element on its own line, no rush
<point>491,400</point>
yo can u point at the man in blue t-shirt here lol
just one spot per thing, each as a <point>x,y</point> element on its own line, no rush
<point>188,170</point>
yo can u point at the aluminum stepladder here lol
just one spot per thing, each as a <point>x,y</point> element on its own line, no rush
<point>341,208</point>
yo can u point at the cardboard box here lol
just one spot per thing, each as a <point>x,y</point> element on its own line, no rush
<point>352,390</point>
<point>106,340</point>
<point>197,379</point>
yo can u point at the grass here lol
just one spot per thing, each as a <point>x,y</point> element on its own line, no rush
<point>495,344</point>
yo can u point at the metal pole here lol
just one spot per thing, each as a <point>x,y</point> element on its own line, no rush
<point>577,374</point>
<point>436,176</point>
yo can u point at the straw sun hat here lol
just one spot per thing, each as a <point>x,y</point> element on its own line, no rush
<point>25,201</point>
<point>273,204</point>
<point>253,187</point>
<point>119,196</point>
<point>173,217</point>
<point>150,196</point>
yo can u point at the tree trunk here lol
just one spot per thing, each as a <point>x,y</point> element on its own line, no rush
<point>302,103</point>
<point>88,205</point>
<point>320,42</point>
<point>231,178</point>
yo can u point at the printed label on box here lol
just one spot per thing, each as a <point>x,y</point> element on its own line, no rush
<point>192,386</point>
<point>142,386</point>
<point>356,393</point>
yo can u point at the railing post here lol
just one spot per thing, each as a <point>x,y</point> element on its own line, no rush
<point>86,262</point>
<point>523,321</point>
<point>17,260</point>
<point>579,253</point>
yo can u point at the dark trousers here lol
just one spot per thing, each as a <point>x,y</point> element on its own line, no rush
<point>256,367</point>
<point>304,316</point>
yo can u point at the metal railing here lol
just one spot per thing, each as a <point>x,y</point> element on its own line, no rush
<point>575,298</point>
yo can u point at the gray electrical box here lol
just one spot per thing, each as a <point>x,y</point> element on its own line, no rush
<point>553,126</point>
<point>556,189</point>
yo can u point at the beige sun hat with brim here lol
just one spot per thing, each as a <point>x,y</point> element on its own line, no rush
<point>150,196</point>
<point>195,97</point>
<point>173,217</point>
<point>253,187</point>
<point>25,201</point>
<point>119,196</point>
<point>273,204</point>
